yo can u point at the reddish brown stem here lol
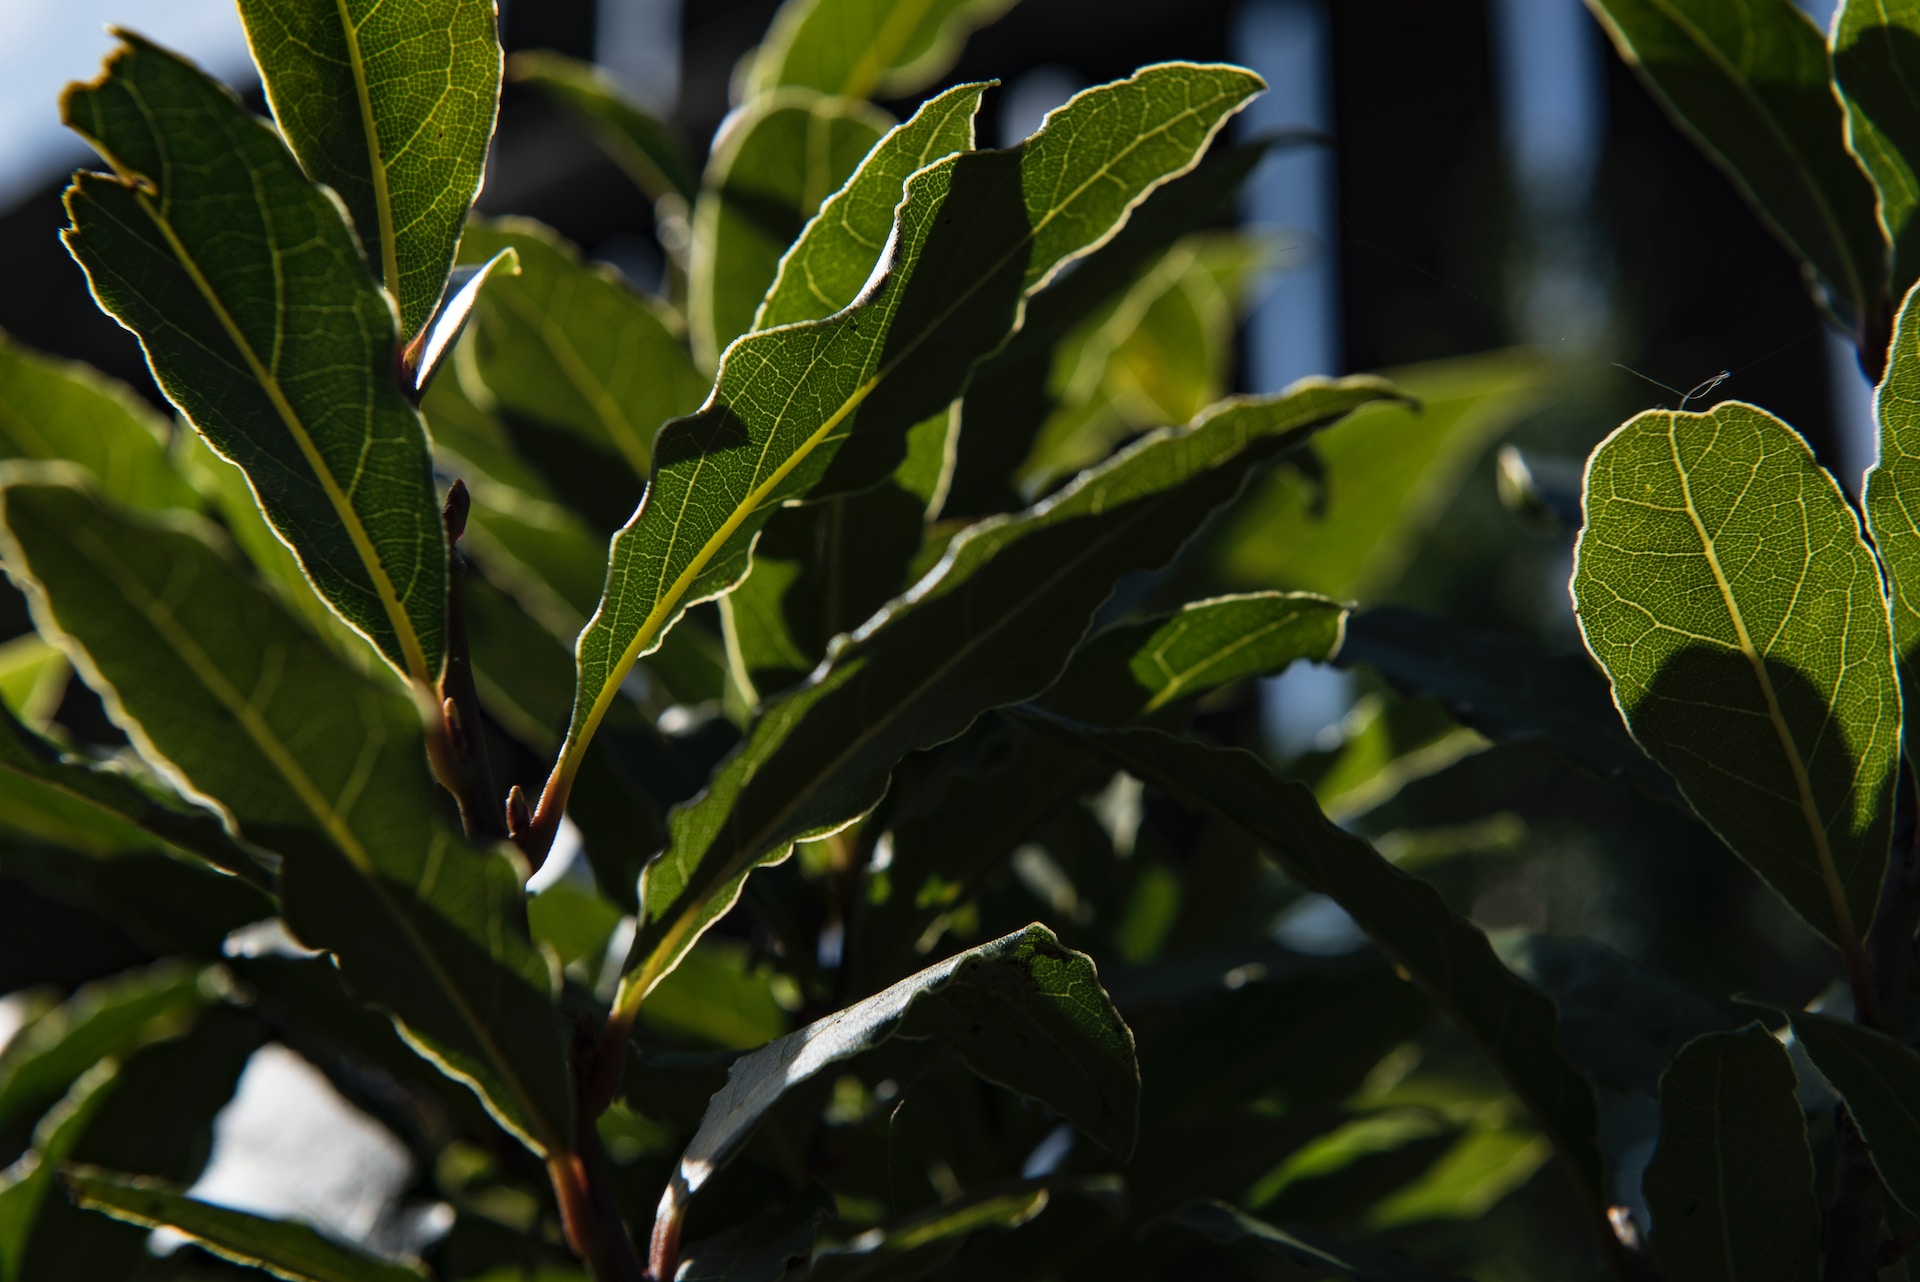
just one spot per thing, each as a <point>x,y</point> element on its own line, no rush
<point>459,749</point>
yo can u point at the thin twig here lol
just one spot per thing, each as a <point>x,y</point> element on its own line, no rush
<point>463,752</point>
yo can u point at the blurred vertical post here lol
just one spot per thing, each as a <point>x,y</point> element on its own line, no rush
<point>1295,331</point>
<point>1553,120</point>
<point>639,42</point>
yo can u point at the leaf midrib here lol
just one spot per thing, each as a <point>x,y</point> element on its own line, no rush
<point>160,616</point>
<point>670,941</point>
<point>902,20</point>
<point>397,617</point>
<point>625,436</point>
<point>1803,785</point>
<point>1801,169</point>
<point>376,166</point>
<point>1177,681</point>
<point>667,598</point>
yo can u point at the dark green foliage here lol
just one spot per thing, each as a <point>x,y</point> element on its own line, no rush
<point>885,606</point>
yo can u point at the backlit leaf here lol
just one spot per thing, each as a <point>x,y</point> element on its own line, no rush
<point>225,691</point>
<point>392,106</point>
<point>865,48</point>
<point>993,625</point>
<point>251,297</point>
<point>643,145</point>
<point>1722,582</point>
<point>1751,83</point>
<point>774,161</point>
<point>1876,56</point>
<point>974,235</point>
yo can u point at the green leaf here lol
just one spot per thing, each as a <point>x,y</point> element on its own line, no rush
<point>1223,1224</point>
<point>392,106</point>
<point>1505,688</point>
<point>33,678</point>
<point>284,1249</point>
<point>1751,83</point>
<point>865,48</point>
<point>1387,478</point>
<point>1878,1077</point>
<point>1009,398</point>
<point>1892,502</point>
<point>1722,583</point>
<point>570,345</point>
<point>1445,954</point>
<point>225,691</point>
<point>973,236</point>
<point>1136,669</point>
<point>992,626</point>
<point>1876,55</point>
<point>449,320</point>
<point>774,161</point>
<point>252,301</point>
<point>642,144</point>
<point>1023,1012</point>
<point>110,1017</point>
<point>831,260</point>
<point>1731,1184</point>
<point>55,409</point>
<point>102,811</point>
<point>26,1185</point>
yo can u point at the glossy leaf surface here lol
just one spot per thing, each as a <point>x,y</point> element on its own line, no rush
<point>392,106</point>
<point>1022,1011</point>
<point>1722,582</point>
<point>249,293</point>
<point>225,691</point>
<point>1731,1184</point>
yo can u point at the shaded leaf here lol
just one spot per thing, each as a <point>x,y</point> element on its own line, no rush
<point>992,626</point>
<point>1880,1080</point>
<point>282,1248</point>
<point>251,298</point>
<point>1731,1184</point>
<point>1223,1224</point>
<point>1448,956</point>
<point>865,48</point>
<point>774,161</point>
<point>392,106</point>
<point>110,1017</point>
<point>974,234</point>
<point>1504,687</point>
<point>1622,1025</point>
<point>1009,399</point>
<point>1386,479</point>
<point>1135,669</point>
<point>834,255</point>
<point>570,344</point>
<point>1750,82</point>
<point>1722,582</point>
<point>195,660</point>
<point>641,143</point>
<point>1892,502</point>
<point>1022,1011</point>
<point>55,409</point>
<point>98,810</point>
<point>1876,57</point>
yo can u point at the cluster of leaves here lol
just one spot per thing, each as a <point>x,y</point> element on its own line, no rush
<point>848,605</point>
